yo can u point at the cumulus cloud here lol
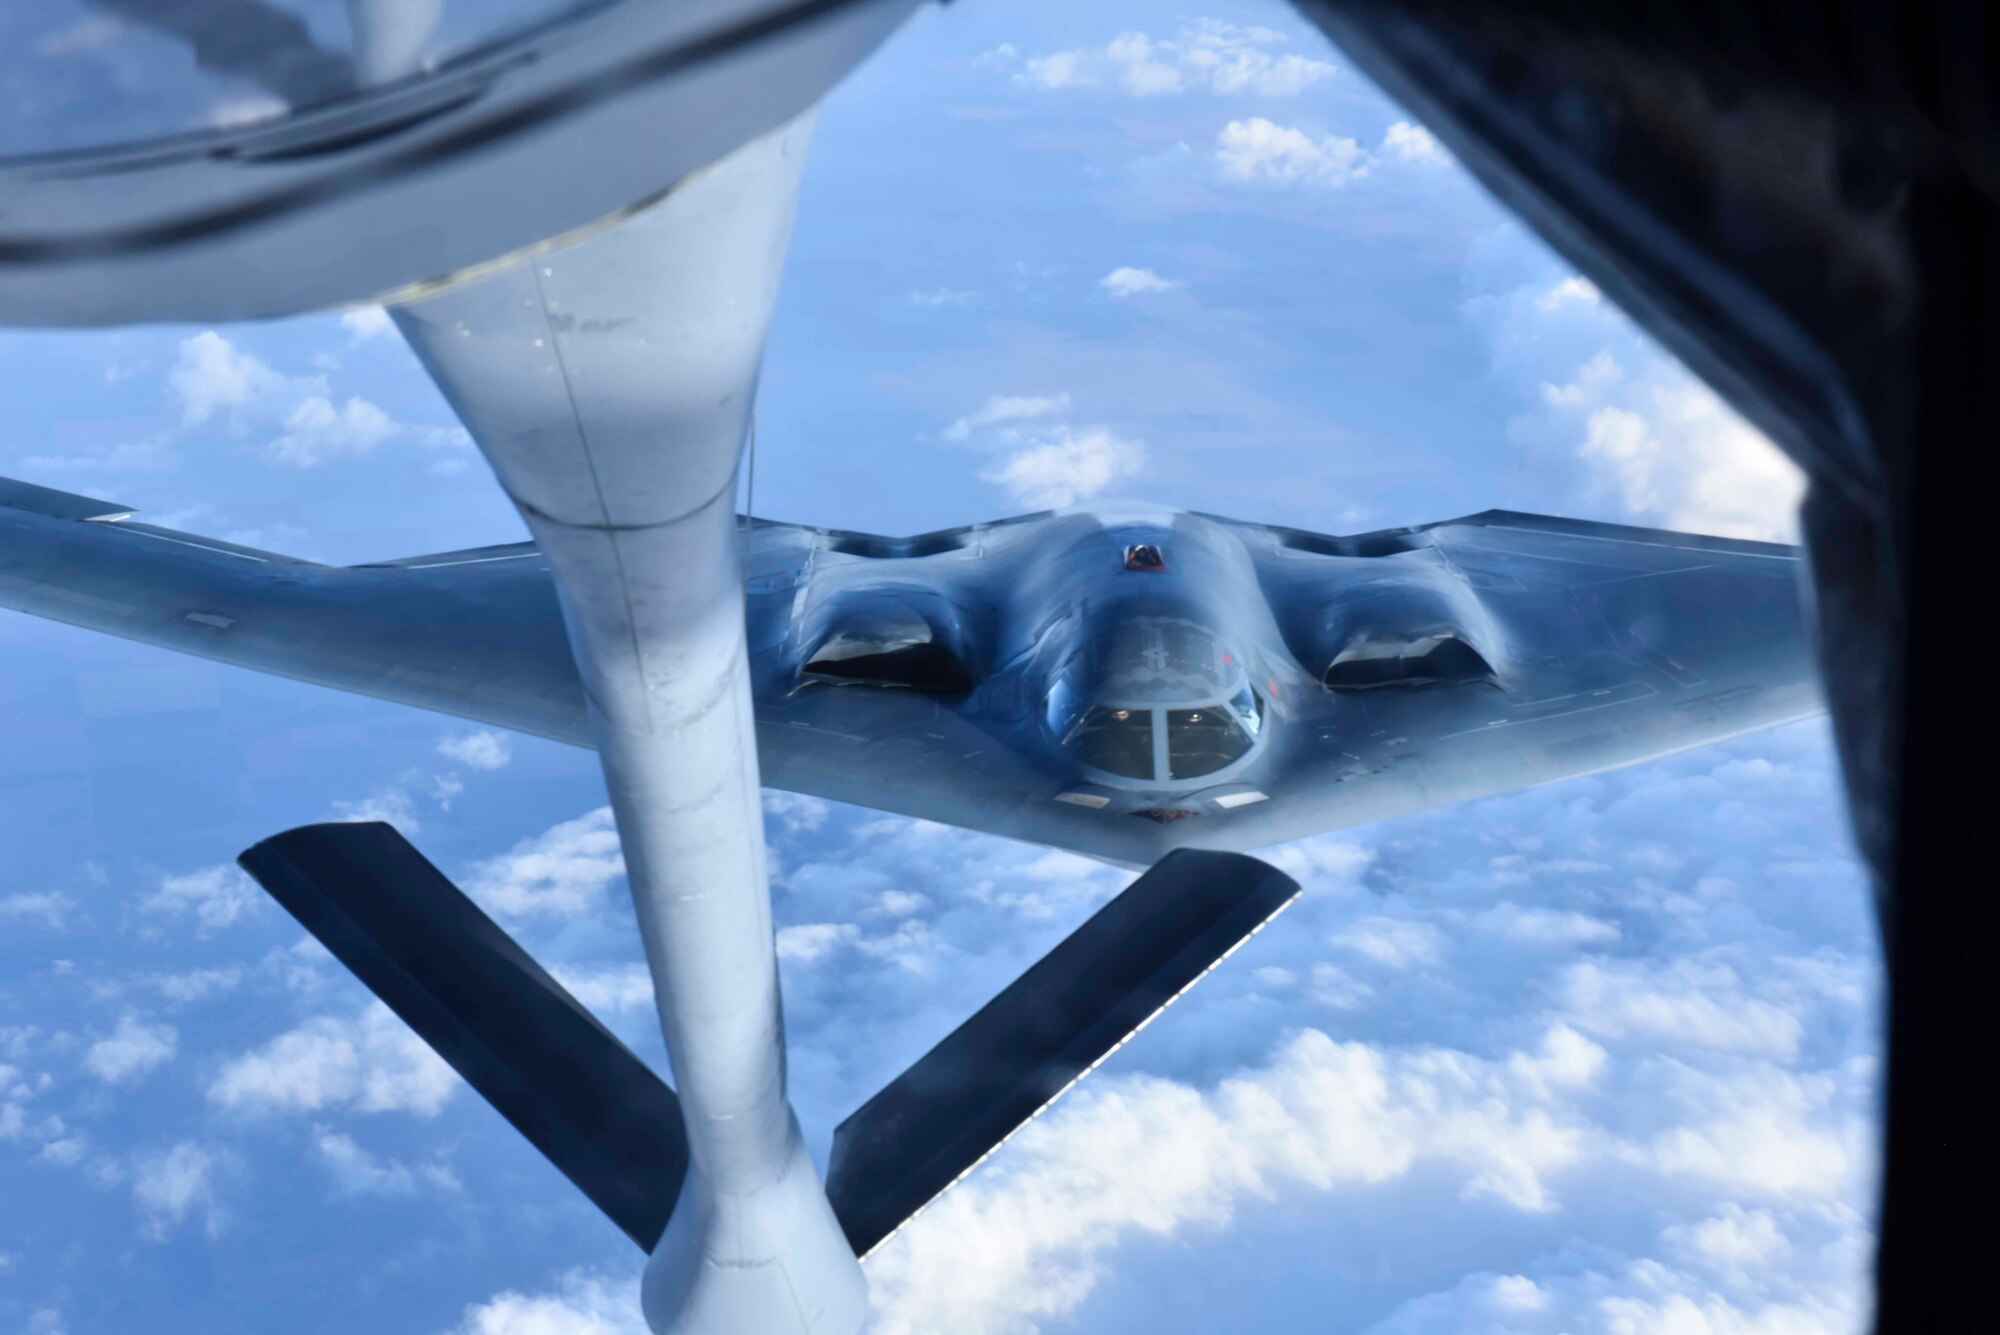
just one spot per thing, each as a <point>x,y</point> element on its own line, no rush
<point>794,813</point>
<point>1676,455</point>
<point>899,903</point>
<point>1646,438</point>
<point>1393,943</point>
<point>67,1151</point>
<point>132,1050</point>
<point>1406,142</point>
<point>1058,69</point>
<point>888,853</point>
<point>1223,58</point>
<point>813,940</point>
<point>317,430</point>
<point>924,921</point>
<point>608,989</point>
<point>1047,463</point>
<point>1544,926</point>
<point>1604,1293</point>
<point>1760,1131</point>
<point>1068,465</point>
<point>171,1186</point>
<point>581,1304</point>
<point>213,377</point>
<point>397,802</point>
<point>1125,281</point>
<point>305,423</point>
<point>1259,150</point>
<point>151,455</point>
<point>912,946</point>
<point>354,1171</point>
<point>365,323</point>
<point>483,750</point>
<point>1006,408</point>
<point>51,906</point>
<point>1738,1243</point>
<point>1328,863</point>
<point>562,872</point>
<point>1026,1240</point>
<point>17,1090</point>
<point>192,985</point>
<point>1575,289</point>
<point>1688,1002</point>
<point>445,788</point>
<point>392,805</point>
<point>366,1063</point>
<point>1262,151</point>
<point>213,897</point>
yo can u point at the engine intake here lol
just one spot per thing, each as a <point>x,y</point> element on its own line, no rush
<point>1407,662</point>
<point>872,640</point>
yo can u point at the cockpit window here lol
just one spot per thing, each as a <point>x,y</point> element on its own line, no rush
<point>1144,556</point>
<point>1249,711</point>
<point>1065,706</point>
<point>1120,739</point>
<point>1202,741</point>
<point>1117,741</point>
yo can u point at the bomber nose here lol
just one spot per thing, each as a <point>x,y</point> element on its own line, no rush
<point>1161,658</point>
<point>1158,699</point>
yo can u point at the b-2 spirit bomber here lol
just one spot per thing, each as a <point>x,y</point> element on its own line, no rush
<point>1120,681</point>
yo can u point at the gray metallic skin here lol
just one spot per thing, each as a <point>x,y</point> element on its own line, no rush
<point>538,138</point>
<point>1609,646</point>
<point>610,386</point>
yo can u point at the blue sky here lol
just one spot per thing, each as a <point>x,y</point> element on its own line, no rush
<point>1596,1057</point>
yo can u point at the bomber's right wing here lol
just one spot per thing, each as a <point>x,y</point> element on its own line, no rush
<point>479,634</point>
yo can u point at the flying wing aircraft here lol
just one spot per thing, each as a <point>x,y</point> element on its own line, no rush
<point>1119,682</point>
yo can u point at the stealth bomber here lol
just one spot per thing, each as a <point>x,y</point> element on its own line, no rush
<point>1119,681</point>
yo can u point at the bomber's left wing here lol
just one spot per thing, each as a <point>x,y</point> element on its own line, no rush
<point>1477,656</point>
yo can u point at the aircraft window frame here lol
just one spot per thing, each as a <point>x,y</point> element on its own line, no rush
<point>1131,721</point>
<point>1248,707</point>
<point>1064,706</point>
<point>1145,558</point>
<point>1219,718</point>
<point>1067,710</point>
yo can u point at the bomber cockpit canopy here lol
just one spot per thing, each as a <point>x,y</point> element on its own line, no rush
<point>1157,700</point>
<point>1164,745</point>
